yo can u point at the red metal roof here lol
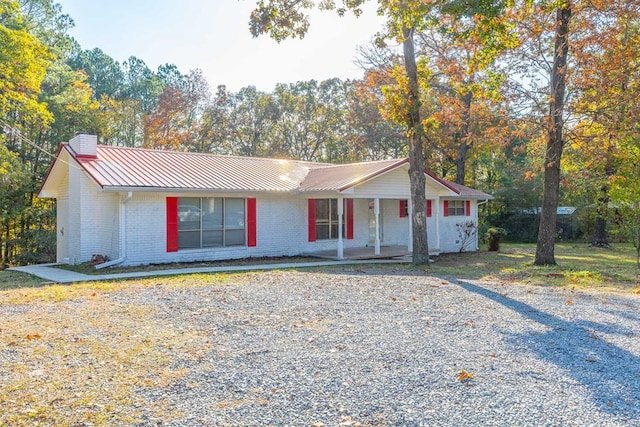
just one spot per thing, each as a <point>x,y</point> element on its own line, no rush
<point>341,177</point>
<point>142,169</point>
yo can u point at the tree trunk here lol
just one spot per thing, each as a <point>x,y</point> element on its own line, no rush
<point>416,159</point>
<point>464,145</point>
<point>600,238</point>
<point>546,233</point>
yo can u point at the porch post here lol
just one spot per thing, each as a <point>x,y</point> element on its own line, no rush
<point>436,209</point>
<point>340,216</point>
<point>376,212</point>
<point>410,239</point>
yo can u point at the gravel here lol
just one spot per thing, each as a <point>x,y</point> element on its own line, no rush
<point>361,346</point>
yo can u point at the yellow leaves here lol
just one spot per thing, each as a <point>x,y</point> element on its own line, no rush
<point>464,376</point>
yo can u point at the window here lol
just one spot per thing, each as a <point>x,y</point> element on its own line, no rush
<point>209,222</point>
<point>456,208</point>
<point>327,219</point>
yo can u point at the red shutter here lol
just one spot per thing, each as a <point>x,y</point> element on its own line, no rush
<point>251,222</point>
<point>467,207</point>
<point>429,209</point>
<point>403,208</point>
<point>312,220</point>
<point>349,219</point>
<point>446,208</point>
<point>172,224</point>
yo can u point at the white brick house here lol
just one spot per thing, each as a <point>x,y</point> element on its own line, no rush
<point>141,206</point>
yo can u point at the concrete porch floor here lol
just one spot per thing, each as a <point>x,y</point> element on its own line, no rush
<point>363,253</point>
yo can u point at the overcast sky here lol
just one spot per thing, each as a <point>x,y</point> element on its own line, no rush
<point>213,35</point>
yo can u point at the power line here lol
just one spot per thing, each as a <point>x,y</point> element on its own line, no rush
<point>26,140</point>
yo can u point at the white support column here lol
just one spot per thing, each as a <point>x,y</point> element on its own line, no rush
<point>340,216</point>
<point>410,239</point>
<point>436,216</point>
<point>376,212</point>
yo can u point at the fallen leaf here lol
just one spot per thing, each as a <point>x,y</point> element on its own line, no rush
<point>569,302</point>
<point>464,375</point>
<point>33,336</point>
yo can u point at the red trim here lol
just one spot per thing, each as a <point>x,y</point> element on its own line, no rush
<point>55,159</point>
<point>403,208</point>
<point>312,219</point>
<point>251,222</point>
<point>442,181</point>
<point>86,156</point>
<point>446,208</point>
<point>172,224</point>
<point>429,209</point>
<point>349,219</point>
<point>467,207</point>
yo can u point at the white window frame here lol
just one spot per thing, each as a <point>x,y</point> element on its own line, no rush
<point>224,229</point>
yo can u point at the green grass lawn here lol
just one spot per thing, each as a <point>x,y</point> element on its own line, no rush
<point>579,266</point>
<point>14,279</point>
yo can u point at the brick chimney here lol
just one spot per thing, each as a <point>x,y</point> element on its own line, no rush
<point>84,145</point>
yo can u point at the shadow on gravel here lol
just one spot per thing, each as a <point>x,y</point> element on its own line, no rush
<point>611,373</point>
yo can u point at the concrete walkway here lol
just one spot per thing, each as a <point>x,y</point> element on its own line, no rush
<point>50,273</point>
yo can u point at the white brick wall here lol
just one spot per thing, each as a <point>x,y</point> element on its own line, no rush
<point>281,224</point>
<point>89,218</point>
<point>84,144</point>
<point>92,226</point>
<point>281,230</point>
<point>450,240</point>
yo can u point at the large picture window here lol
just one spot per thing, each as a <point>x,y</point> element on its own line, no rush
<point>327,219</point>
<point>206,222</point>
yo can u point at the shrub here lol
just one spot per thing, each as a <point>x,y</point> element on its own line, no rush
<point>493,237</point>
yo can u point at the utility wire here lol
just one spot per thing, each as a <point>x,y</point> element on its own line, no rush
<point>26,140</point>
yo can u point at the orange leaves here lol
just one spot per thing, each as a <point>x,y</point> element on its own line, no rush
<point>464,376</point>
<point>29,337</point>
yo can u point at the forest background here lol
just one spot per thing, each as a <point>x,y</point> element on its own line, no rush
<point>484,112</point>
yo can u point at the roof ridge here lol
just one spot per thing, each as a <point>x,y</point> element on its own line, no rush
<point>341,165</point>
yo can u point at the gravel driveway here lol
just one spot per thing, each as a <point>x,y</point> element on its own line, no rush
<point>368,347</point>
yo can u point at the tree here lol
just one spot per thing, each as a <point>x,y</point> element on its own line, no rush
<point>23,63</point>
<point>545,248</point>
<point>104,74</point>
<point>606,92</point>
<point>165,123</point>
<point>372,136</point>
<point>625,192</point>
<point>14,179</point>
<point>282,19</point>
<point>310,121</point>
<point>252,120</point>
<point>466,93</point>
